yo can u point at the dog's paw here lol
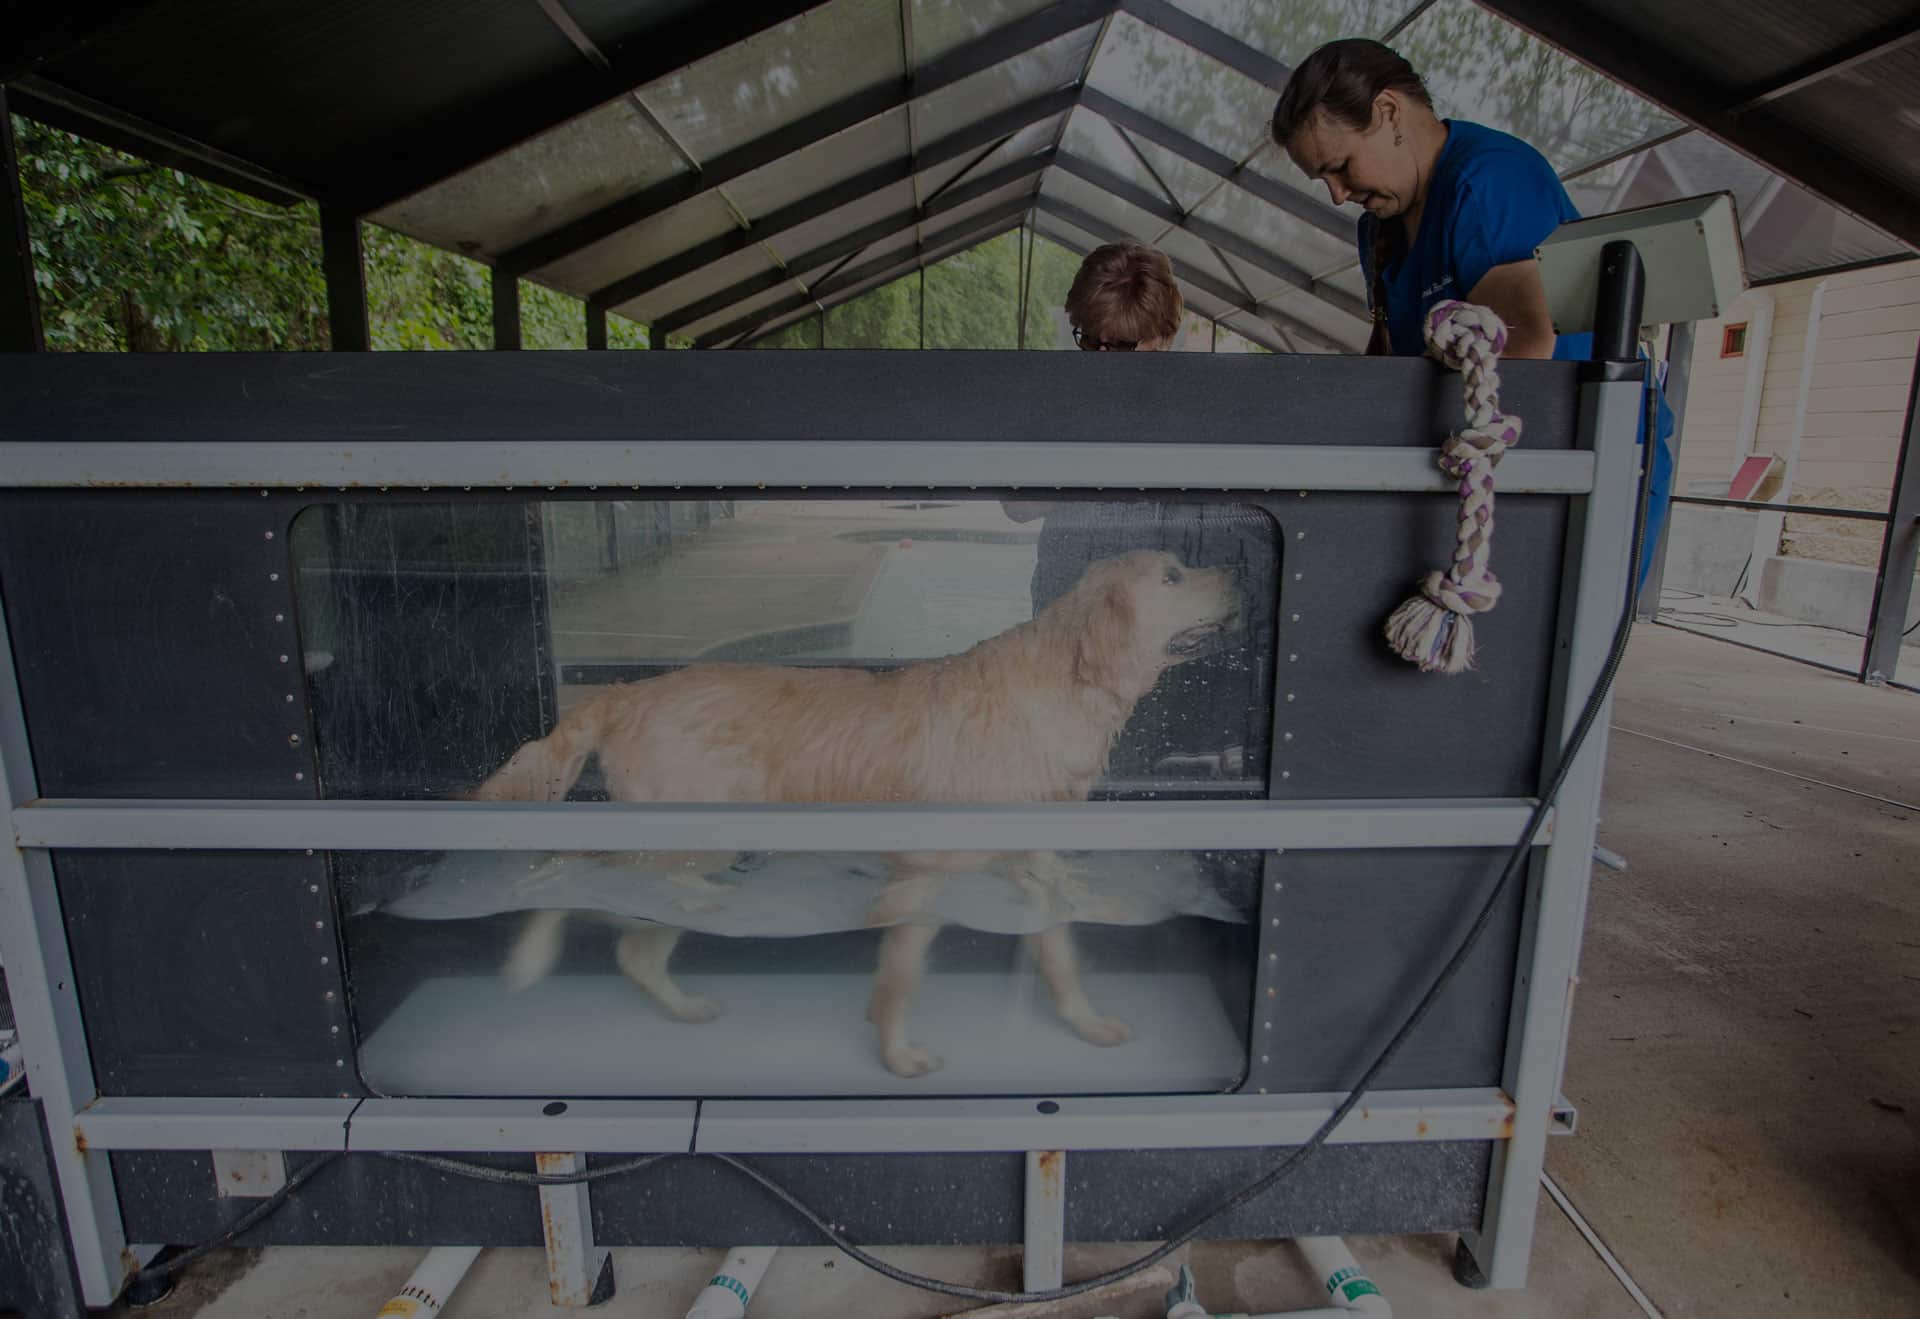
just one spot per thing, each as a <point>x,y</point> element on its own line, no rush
<point>910,1060</point>
<point>1103,1031</point>
<point>695,1010</point>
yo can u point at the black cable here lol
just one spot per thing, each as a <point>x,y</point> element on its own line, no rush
<point>162,1269</point>
<point>1516,861</point>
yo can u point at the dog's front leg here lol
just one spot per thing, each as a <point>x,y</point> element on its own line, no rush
<point>1060,965</point>
<point>903,960</point>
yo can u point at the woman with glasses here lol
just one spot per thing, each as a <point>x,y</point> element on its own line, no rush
<point>1124,300</point>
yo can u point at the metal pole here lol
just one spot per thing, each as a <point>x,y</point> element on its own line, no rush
<point>1893,584</point>
<point>1679,376</point>
<point>341,258</point>
<point>19,298</point>
<point>1616,313</point>
<point>596,327</point>
<point>506,311</point>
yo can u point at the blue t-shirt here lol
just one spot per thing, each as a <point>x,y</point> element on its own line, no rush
<point>1492,200</point>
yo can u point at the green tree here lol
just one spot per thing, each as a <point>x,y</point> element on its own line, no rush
<point>131,256</point>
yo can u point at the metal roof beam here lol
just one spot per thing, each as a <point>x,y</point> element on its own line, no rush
<point>1881,41</point>
<point>770,226</point>
<point>1213,235</point>
<point>1692,93</point>
<point>422,155</point>
<point>57,107</point>
<point>851,244</point>
<point>962,234</point>
<point>994,48</point>
<point>1291,200</point>
<point>1212,287</point>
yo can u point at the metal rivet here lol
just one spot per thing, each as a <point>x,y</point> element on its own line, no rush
<point>273,576</point>
<point>1273,957</point>
<point>319,925</point>
<point>1276,919</point>
<point>289,698</point>
<point>1299,577</point>
<point>1303,494</point>
<point>1293,659</point>
<point>299,776</point>
<point>1286,737</point>
<point>329,996</point>
<point>1265,1059</point>
<point>1289,696</point>
<point>1271,991</point>
<point>283,659</point>
<point>1296,618</point>
<point>339,1062</point>
<point>263,494</point>
<point>309,851</point>
<point>293,739</point>
<point>335,1030</point>
<point>1266,1025</point>
<point>313,888</point>
<point>279,618</point>
<point>1286,773</point>
<point>1299,535</point>
<point>325,960</point>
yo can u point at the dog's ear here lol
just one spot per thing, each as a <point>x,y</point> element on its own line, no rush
<point>1105,648</point>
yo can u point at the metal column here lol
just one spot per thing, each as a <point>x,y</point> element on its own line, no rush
<point>340,256</point>
<point>506,310</point>
<point>19,298</point>
<point>46,1008</point>
<point>1893,588</point>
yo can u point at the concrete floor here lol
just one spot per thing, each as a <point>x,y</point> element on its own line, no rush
<point>1744,1056</point>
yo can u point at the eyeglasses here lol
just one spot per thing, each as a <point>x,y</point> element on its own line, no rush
<point>1089,344</point>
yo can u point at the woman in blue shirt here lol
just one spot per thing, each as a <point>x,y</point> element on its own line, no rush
<point>1453,210</point>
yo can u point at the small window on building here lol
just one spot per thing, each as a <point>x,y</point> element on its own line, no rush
<point>1733,340</point>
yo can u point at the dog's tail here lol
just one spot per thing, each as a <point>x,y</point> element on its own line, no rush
<point>546,768</point>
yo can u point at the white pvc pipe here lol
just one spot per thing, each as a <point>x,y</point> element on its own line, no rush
<point>426,1292</point>
<point>1333,1265</point>
<point>730,1291</point>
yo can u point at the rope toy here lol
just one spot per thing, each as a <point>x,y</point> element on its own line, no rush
<point>1434,629</point>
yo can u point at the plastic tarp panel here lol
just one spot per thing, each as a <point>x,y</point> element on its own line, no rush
<point>778,77</point>
<point>540,185</point>
<point>639,246</point>
<point>821,165</point>
<point>894,199</point>
<point>1478,66</point>
<point>1058,63</point>
<point>1291,30</point>
<point>1273,230</point>
<point>941,27</point>
<point>1169,80</point>
<point>702,283</point>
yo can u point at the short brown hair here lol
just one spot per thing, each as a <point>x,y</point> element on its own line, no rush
<point>1342,78</point>
<point>1125,293</point>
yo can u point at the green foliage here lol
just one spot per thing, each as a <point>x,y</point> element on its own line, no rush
<point>130,256</point>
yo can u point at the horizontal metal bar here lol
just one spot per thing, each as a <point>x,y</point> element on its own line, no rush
<point>1189,1122</point>
<point>214,1124</point>
<point>832,1126</point>
<point>1761,506</point>
<point>853,464</point>
<point>381,826</point>
<point>588,1126</point>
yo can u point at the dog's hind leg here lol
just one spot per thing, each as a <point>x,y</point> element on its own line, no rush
<point>536,950</point>
<point>903,960</point>
<point>1060,965</point>
<point>642,953</point>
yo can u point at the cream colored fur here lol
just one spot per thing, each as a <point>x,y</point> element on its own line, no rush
<point>1029,715</point>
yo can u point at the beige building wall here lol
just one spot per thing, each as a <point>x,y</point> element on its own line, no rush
<point>1854,406</point>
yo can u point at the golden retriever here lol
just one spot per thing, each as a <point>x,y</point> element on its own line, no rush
<point>1028,715</point>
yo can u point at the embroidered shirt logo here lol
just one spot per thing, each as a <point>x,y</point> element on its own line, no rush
<point>1436,286</point>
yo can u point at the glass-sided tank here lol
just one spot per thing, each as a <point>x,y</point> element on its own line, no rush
<point>891,649</point>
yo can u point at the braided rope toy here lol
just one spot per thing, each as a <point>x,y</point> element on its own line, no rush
<point>1434,629</point>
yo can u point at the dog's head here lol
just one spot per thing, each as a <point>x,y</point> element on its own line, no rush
<point>1139,614</point>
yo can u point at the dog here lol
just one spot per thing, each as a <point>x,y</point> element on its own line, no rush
<point>1028,715</point>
